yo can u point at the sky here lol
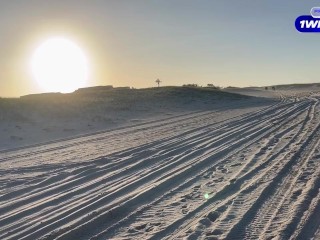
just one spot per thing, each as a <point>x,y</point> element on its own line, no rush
<point>134,42</point>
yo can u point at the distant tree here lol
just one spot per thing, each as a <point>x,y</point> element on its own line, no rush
<point>273,88</point>
<point>266,88</point>
<point>190,85</point>
<point>209,85</point>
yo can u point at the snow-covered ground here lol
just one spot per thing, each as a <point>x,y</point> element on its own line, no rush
<point>46,117</point>
<point>216,168</point>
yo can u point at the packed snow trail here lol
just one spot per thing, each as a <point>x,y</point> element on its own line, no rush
<point>249,174</point>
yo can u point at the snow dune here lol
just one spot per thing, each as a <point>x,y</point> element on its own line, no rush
<point>40,118</point>
<point>245,169</point>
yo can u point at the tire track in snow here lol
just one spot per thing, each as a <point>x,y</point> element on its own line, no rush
<point>76,203</point>
<point>183,229</point>
<point>182,188</point>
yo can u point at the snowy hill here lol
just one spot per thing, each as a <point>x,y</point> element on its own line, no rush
<point>41,117</point>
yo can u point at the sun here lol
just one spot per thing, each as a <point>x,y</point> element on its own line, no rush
<point>59,65</point>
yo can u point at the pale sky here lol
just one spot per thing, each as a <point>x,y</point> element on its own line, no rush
<point>134,42</point>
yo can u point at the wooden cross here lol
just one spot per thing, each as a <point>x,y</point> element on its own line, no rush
<point>158,82</point>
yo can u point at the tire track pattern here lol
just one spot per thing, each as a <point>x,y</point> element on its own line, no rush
<point>252,176</point>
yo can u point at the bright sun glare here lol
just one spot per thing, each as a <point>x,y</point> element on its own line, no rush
<point>59,65</point>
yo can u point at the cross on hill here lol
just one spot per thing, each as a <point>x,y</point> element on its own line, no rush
<point>158,82</point>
